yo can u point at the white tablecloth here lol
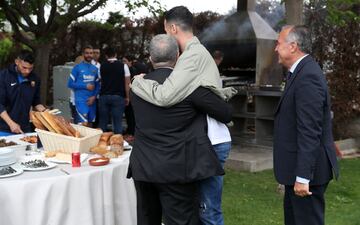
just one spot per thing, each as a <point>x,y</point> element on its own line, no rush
<point>88,196</point>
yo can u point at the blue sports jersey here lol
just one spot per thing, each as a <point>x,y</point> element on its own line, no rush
<point>81,75</point>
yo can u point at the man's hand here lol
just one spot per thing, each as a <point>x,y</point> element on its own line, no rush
<point>90,87</point>
<point>91,100</point>
<point>15,128</point>
<point>302,190</point>
<point>229,92</point>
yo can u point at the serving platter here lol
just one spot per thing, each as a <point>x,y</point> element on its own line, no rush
<point>32,165</point>
<point>16,167</point>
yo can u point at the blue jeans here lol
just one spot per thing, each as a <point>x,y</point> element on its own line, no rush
<point>114,104</point>
<point>211,191</point>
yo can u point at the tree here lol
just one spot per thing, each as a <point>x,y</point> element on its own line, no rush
<point>294,11</point>
<point>31,27</point>
<point>38,23</point>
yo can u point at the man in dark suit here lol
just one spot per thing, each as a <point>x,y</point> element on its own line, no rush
<point>304,151</point>
<point>172,151</point>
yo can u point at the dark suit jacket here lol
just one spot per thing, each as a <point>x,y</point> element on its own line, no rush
<point>171,144</point>
<point>303,140</point>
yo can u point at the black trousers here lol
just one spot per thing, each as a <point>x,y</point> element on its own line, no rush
<point>130,119</point>
<point>175,204</point>
<point>308,210</point>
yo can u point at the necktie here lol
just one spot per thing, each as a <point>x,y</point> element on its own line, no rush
<point>288,76</point>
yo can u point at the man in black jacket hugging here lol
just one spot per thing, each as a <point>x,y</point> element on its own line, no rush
<point>172,151</point>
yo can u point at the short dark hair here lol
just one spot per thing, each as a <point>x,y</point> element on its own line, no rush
<point>87,47</point>
<point>110,51</point>
<point>181,16</point>
<point>26,56</point>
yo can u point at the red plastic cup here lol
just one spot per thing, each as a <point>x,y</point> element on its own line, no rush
<point>75,156</point>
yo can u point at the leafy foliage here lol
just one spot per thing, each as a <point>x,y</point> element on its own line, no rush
<point>335,27</point>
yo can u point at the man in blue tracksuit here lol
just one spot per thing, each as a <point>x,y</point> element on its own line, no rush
<point>84,80</point>
<point>19,91</point>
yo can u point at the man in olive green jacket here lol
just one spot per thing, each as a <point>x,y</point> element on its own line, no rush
<point>194,68</point>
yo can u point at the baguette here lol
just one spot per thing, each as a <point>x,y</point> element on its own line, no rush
<point>44,122</point>
<point>61,122</point>
<point>37,123</point>
<point>52,122</point>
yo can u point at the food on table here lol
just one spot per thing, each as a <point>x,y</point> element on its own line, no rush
<point>63,156</point>
<point>59,155</point>
<point>49,154</point>
<point>52,123</point>
<point>30,139</point>
<point>37,123</point>
<point>116,143</point>
<point>98,150</point>
<point>7,170</point>
<point>36,163</point>
<point>4,143</point>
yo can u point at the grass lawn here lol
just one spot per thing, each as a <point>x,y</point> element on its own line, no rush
<point>252,199</point>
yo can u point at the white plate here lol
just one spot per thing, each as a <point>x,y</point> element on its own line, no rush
<point>16,167</point>
<point>50,166</point>
<point>83,157</point>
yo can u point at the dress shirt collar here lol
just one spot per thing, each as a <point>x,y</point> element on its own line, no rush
<point>293,67</point>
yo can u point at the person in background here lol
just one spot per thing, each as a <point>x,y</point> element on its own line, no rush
<point>96,57</point>
<point>304,150</point>
<point>211,188</point>
<point>78,60</point>
<point>84,81</point>
<point>171,151</point>
<point>218,56</point>
<point>95,62</point>
<point>114,92</point>
<point>19,91</point>
<point>129,112</point>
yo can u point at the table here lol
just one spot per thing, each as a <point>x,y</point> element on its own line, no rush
<point>88,196</point>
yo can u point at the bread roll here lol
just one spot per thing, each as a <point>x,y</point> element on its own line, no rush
<point>98,150</point>
<point>110,154</point>
<point>117,139</point>
<point>106,136</point>
<point>37,123</point>
<point>43,121</point>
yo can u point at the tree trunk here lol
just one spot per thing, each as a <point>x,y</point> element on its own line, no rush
<point>294,12</point>
<point>42,69</point>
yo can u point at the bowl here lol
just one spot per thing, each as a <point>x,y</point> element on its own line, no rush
<point>99,161</point>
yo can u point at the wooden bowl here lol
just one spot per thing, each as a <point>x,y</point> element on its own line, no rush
<point>99,161</point>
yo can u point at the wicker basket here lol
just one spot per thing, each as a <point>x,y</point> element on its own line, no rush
<point>53,141</point>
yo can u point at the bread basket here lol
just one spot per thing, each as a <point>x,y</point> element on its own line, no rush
<point>52,141</point>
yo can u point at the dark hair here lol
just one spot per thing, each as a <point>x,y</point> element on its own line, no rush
<point>110,52</point>
<point>129,57</point>
<point>301,35</point>
<point>181,16</point>
<point>217,54</point>
<point>87,47</point>
<point>26,56</point>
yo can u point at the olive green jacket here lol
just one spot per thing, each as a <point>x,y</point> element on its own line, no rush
<point>194,68</point>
